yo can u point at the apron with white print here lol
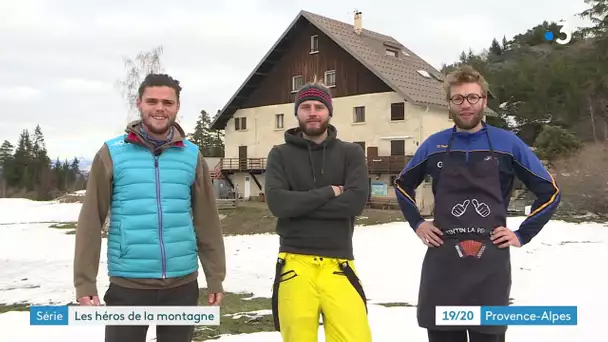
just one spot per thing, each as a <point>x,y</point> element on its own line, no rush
<point>468,269</point>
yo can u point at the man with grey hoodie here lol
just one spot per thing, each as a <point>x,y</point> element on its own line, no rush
<point>316,185</point>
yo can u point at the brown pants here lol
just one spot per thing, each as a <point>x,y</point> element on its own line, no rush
<point>185,295</point>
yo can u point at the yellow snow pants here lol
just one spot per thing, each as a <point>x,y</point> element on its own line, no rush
<point>307,286</point>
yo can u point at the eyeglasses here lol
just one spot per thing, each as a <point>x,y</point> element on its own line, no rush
<point>471,98</point>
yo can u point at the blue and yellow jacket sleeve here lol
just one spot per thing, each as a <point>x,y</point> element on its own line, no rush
<point>408,181</point>
<point>530,170</point>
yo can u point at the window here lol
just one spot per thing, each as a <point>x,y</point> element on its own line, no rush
<point>330,78</point>
<point>314,44</point>
<point>278,121</point>
<point>397,111</point>
<point>296,83</point>
<point>359,114</point>
<point>240,124</point>
<point>360,143</point>
<point>397,147</point>
<point>392,52</point>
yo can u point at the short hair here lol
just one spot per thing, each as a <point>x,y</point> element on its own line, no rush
<point>464,74</point>
<point>159,80</point>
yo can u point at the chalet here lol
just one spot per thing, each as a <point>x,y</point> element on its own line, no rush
<point>386,99</point>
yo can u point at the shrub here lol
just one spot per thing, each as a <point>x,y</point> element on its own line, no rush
<point>583,179</point>
<point>555,142</point>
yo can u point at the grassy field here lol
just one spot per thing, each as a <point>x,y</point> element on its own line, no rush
<point>237,316</point>
<point>69,226</point>
<point>256,218</point>
<point>14,307</point>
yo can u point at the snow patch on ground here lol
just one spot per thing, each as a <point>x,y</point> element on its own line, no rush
<point>560,267</point>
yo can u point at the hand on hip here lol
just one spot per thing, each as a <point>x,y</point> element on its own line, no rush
<point>429,234</point>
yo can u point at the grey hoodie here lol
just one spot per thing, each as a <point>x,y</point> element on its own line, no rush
<point>299,175</point>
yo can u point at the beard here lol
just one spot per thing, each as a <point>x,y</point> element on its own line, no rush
<point>158,126</point>
<point>469,122</point>
<point>313,131</point>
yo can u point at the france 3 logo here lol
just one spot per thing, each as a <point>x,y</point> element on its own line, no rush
<point>563,36</point>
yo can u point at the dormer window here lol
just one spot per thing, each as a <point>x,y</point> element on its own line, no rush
<point>391,49</point>
<point>392,52</point>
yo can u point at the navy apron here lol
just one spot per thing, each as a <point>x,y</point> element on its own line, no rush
<point>468,269</point>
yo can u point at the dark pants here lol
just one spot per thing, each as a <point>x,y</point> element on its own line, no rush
<point>185,295</point>
<point>461,336</point>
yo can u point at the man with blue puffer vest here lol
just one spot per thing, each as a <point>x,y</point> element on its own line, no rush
<point>473,166</point>
<point>163,218</point>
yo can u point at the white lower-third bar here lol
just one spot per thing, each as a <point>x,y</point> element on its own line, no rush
<point>144,315</point>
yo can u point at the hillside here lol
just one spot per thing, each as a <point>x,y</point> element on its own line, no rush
<point>535,83</point>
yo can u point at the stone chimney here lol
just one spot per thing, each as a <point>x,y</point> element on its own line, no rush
<point>358,22</point>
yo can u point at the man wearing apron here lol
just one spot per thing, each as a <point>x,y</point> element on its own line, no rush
<point>473,166</point>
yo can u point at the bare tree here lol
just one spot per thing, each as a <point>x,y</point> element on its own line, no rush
<point>145,63</point>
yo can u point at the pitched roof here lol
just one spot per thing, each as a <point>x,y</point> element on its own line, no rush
<point>400,73</point>
<point>407,74</point>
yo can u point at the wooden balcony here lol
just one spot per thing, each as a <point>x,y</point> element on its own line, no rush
<point>376,165</point>
<point>254,165</point>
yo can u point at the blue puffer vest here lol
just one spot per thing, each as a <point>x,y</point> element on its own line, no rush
<point>151,233</point>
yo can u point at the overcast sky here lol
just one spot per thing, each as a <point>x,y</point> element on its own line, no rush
<point>59,59</point>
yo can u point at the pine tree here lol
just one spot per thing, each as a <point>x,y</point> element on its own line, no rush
<point>495,48</point>
<point>68,178</point>
<point>41,164</point>
<point>219,140</point>
<point>209,142</point>
<point>198,136</point>
<point>21,175</point>
<point>75,166</point>
<point>58,175</point>
<point>6,152</point>
<point>597,13</point>
<point>6,161</point>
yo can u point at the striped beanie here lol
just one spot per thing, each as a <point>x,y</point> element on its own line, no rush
<point>314,92</point>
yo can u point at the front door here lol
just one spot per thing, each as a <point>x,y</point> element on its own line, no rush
<point>247,190</point>
<point>243,158</point>
<point>372,151</point>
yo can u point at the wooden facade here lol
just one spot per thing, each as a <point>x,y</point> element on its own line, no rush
<point>296,54</point>
<point>351,77</point>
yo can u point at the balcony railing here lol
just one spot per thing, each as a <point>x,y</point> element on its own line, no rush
<point>243,164</point>
<point>377,164</point>
<point>387,164</point>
